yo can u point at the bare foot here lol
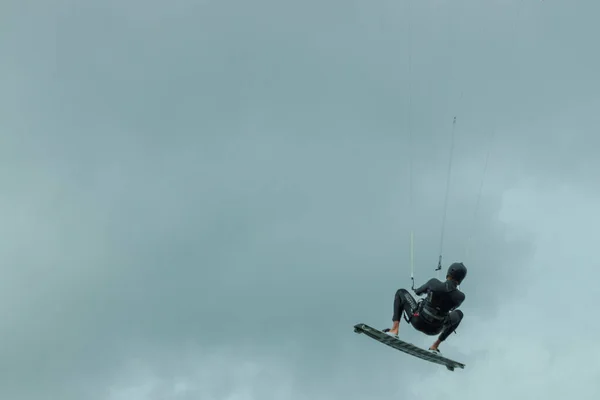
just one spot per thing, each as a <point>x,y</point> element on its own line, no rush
<point>394,329</point>
<point>435,346</point>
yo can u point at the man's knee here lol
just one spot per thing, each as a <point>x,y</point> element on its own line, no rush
<point>402,294</point>
<point>456,316</point>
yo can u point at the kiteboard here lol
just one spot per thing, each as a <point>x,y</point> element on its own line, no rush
<point>407,348</point>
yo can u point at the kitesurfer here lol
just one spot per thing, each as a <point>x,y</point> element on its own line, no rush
<point>437,313</point>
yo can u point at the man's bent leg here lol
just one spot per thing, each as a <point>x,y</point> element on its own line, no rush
<point>403,301</point>
<point>455,317</point>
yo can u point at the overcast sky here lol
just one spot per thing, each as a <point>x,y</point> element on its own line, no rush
<point>199,199</point>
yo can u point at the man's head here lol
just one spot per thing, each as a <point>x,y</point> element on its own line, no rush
<point>457,272</point>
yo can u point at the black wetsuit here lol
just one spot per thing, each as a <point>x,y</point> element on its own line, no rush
<point>435,314</point>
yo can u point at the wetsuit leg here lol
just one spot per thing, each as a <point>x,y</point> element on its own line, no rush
<point>455,317</point>
<point>426,327</point>
<point>403,301</point>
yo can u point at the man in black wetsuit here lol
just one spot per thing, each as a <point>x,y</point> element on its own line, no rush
<point>436,314</point>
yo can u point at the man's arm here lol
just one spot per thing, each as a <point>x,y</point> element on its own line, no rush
<point>426,287</point>
<point>459,301</point>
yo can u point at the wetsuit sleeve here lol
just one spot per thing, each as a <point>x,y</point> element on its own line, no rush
<point>426,287</point>
<point>460,300</point>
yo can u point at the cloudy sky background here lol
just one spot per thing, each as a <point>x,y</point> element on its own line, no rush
<point>201,198</point>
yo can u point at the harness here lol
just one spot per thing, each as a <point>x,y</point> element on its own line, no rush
<point>429,312</point>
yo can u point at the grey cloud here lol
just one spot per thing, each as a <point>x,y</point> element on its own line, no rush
<point>236,175</point>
